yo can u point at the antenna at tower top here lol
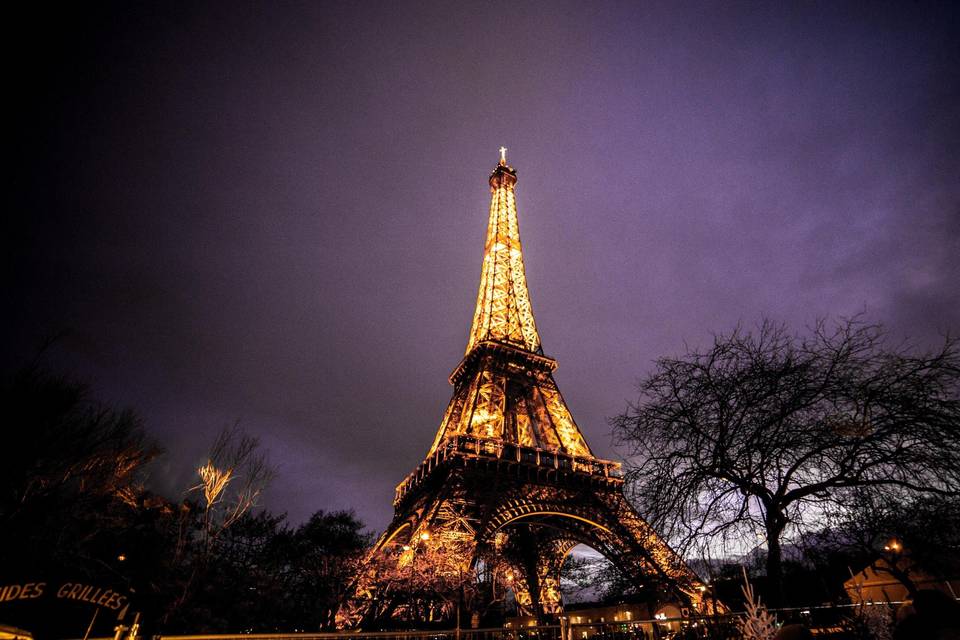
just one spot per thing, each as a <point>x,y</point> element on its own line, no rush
<point>503,156</point>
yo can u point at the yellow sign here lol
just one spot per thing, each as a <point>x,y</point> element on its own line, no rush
<point>92,594</point>
<point>27,591</point>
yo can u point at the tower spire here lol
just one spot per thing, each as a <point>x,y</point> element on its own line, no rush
<point>503,387</point>
<point>503,312</point>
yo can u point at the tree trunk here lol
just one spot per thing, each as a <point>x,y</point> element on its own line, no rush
<point>774,591</point>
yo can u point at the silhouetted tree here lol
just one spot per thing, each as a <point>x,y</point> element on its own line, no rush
<point>326,553</point>
<point>245,583</point>
<point>759,432</point>
<point>70,472</point>
<point>596,579</point>
<point>263,576</point>
<point>72,503</point>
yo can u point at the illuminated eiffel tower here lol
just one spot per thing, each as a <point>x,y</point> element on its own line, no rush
<point>509,480</point>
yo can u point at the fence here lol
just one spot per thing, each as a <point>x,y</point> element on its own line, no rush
<point>825,622</point>
<point>831,621</point>
<point>548,632</point>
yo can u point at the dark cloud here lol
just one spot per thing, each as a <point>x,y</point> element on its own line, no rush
<point>274,214</point>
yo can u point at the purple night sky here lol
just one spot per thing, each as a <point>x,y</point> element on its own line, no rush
<point>274,212</point>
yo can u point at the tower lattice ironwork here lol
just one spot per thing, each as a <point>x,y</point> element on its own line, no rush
<point>509,479</point>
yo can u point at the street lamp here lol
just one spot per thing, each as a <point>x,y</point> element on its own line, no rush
<point>893,546</point>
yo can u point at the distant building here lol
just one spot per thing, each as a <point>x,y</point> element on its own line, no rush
<point>589,621</point>
<point>875,583</point>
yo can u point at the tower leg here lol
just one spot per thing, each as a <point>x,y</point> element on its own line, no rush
<point>537,555</point>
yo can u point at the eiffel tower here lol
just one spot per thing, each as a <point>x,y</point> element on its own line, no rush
<point>509,473</point>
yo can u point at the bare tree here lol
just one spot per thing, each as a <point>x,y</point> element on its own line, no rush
<point>231,481</point>
<point>69,462</point>
<point>751,439</point>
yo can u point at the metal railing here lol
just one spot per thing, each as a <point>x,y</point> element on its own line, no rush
<point>496,449</point>
<point>824,621</point>
<point>549,632</point>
